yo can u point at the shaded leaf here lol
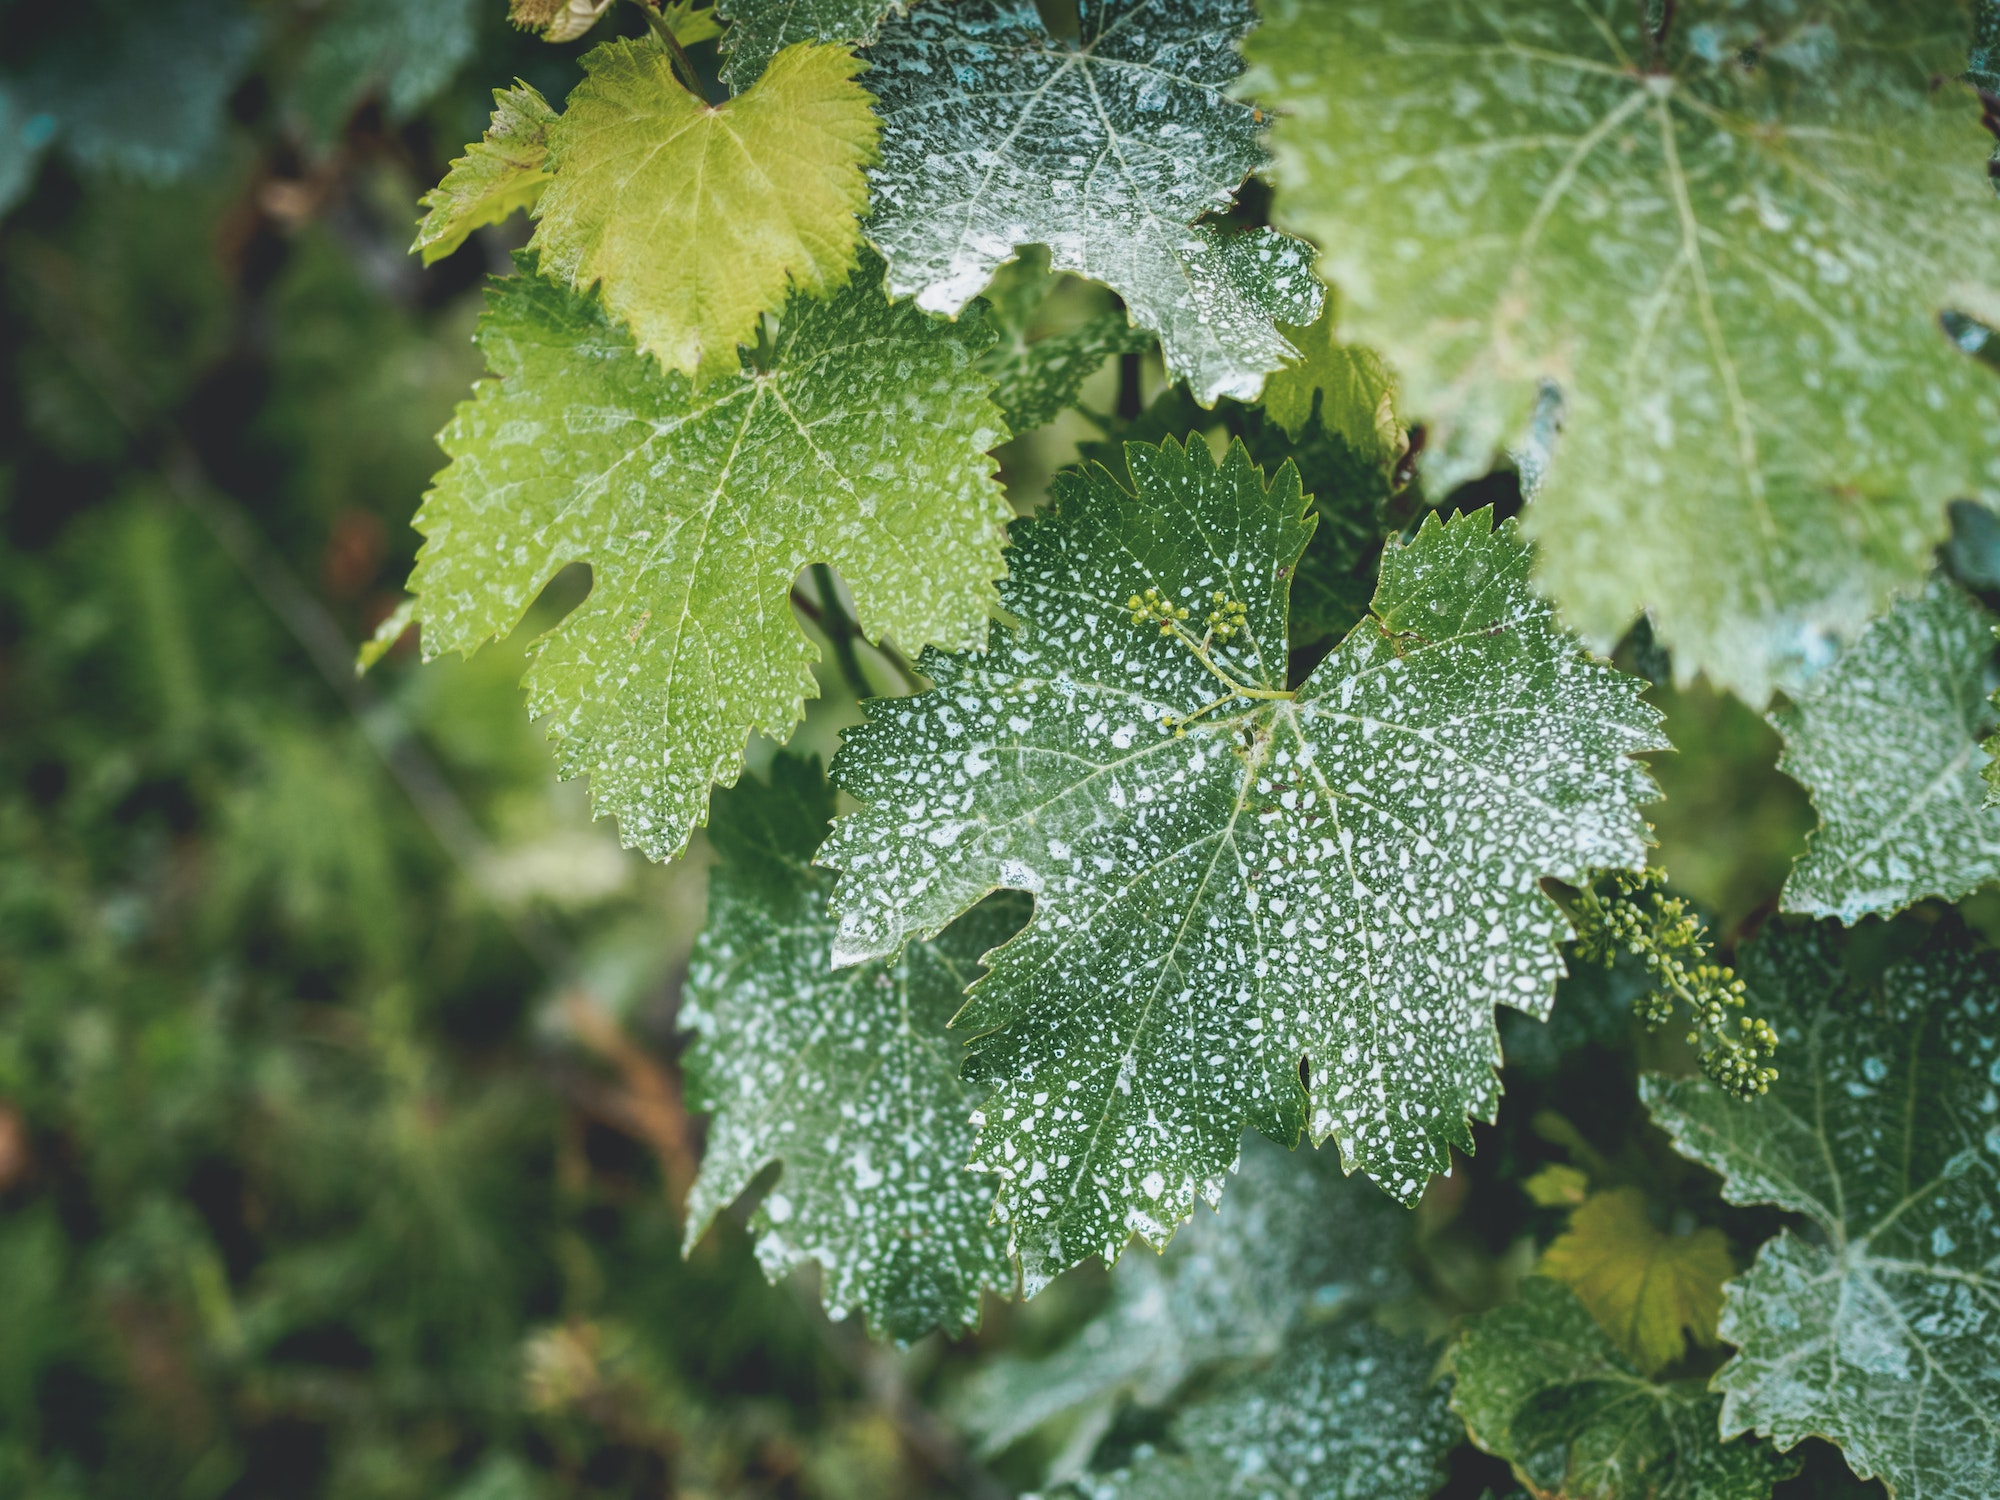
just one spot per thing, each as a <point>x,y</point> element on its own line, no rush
<point>760,29</point>
<point>1877,1326</point>
<point>996,135</point>
<point>1340,884</point>
<point>1729,254</point>
<point>1040,375</point>
<point>1886,740</point>
<point>862,444</point>
<point>1651,1291</point>
<point>406,49</point>
<point>499,174</point>
<point>696,218</point>
<point>847,1078</point>
<point>1541,1385</point>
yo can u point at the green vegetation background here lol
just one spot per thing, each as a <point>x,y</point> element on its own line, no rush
<point>340,1142</point>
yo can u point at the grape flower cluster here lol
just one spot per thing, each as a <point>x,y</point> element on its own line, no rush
<point>1640,918</point>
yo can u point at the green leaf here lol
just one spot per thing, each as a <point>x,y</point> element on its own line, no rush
<point>1349,389</point>
<point>697,218</point>
<point>407,49</point>
<point>1542,1386</point>
<point>498,175</point>
<point>1345,1413</point>
<point>1648,1289</point>
<point>1037,377</point>
<point>1876,1327</point>
<point>760,29</point>
<point>847,1077</point>
<point>1295,1243</point>
<point>996,135</point>
<point>24,136</point>
<point>861,444</point>
<point>1886,741</point>
<point>1343,883</point>
<point>1730,253</point>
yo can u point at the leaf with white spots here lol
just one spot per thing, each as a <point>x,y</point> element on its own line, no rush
<point>1340,883</point>
<point>1887,741</point>
<point>1728,247</point>
<point>1877,1325</point>
<point>1351,1412</point>
<point>1039,373</point>
<point>760,29</point>
<point>1541,1385</point>
<point>997,135</point>
<point>1294,1242</point>
<point>848,1078</point>
<point>861,442</point>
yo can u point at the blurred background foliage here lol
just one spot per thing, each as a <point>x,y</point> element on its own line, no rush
<point>340,1135</point>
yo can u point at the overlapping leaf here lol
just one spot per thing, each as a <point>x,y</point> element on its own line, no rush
<point>1877,1327</point>
<point>1542,1386</point>
<point>1038,376</point>
<point>1339,885</point>
<point>501,173</point>
<point>849,1079</point>
<point>695,218</point>
<point>1295,1242</point>
<point>996,135</point>
<point>1729,248</point>
<point>1344,1413</point>
<point>1887,742</point>
<point>760,29</point>
<point>1650,1290</point>
<point>862,443</point>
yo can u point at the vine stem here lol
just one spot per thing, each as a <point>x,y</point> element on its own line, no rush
<point>657,23</point>
<point>1236,689</point>
<point>839,628</point>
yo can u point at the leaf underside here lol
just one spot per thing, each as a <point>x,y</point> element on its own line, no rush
<point>1346,879</point>
<point>863,445</point>
<point>1887,741</point>
<point>1878,1330</point>
<point>996,135</point>
<point>1731,258</point>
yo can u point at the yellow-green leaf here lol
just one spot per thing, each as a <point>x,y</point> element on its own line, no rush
<point>1354,388</point>
<point>504,171</point>
<point>1557,1186</point>
<point>1648,1289</point>
<point>697,218</point>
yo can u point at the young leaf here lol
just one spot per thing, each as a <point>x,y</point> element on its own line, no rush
<point>697,218</point>
<point>760,29</point>
<point>996,135</point>
<point>1234,884</point>
<point>499,174</point>
<point>1542,1386</point>
<point>847,1077</point>
<point>1296,1242</point>
<point>1649,1290</point>
<point>862,443</point>
<point>1877,1328</point>
<point>1887,742</point>
<point>1351,1412</point>
<point>1348,388</point>
<point>1729,249</point>
<point>1038,377</point>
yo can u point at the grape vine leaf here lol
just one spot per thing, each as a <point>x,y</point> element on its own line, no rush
<point>847,1077</point>
<point>1877,1327</point>
<point>1350,1412</point>
<point>1038,375</point>
<point>1541,1385</point>
<point>1347,387</point>
<point>406,49</point>
<point>1887,742</point>
<point>997,135</point>
<point>861,443</point>
<point>753,195</point>
<point>760,29</point>
<point>1296,1242</point>
<point>1729,249</point>
<point>1340,884</point>
<point>501,173</point>
<point>1648,1289</point>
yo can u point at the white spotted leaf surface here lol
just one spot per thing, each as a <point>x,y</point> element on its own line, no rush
<point>1878,1325</point>
<point>1729,250</point>
<point>1350,1412</point>
<point>1341,884</point>
<point>861,444</point>
<point>1887,741</point>
<point>1541,1385</point>
<point>848,1078</point>
<point>760,29</point>
<point>996,135</point>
